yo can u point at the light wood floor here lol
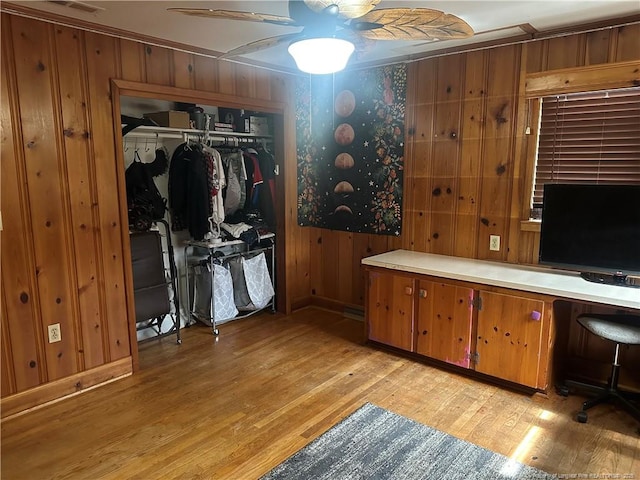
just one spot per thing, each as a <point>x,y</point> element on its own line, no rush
<point>235,407</point>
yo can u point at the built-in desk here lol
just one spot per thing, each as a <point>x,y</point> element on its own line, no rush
<point>494,318</point>
<point>557,283</point>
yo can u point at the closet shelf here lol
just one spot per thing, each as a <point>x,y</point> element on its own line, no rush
<point>179,134</point>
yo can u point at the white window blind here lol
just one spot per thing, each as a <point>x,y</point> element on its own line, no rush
<point>591,137</point>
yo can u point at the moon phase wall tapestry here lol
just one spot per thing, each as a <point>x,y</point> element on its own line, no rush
<point>350,150</point>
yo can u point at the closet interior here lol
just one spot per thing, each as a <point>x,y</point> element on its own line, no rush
<point>201,197</point>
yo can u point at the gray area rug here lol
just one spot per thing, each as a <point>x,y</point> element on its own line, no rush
<point>373,443</point>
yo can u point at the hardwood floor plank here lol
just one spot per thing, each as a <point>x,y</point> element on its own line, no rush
<point>237,405</point>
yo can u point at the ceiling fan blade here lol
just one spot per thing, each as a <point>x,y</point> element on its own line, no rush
<point>413,24</point>
<point>233,15</point>
<point>362,44</point>
<point>347,8</point>
<point>261,45</point>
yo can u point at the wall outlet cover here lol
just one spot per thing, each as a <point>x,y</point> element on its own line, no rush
<point>494,243</point>
<point>54,333</point>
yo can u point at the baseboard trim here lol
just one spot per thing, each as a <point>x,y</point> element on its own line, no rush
<point>47,393</point>
<point>301,302</point>
<point>347,309</point>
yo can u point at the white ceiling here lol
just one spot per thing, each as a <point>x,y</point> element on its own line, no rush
<point>491,20</point>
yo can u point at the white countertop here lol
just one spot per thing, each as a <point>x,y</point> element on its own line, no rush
<point>557,283</point>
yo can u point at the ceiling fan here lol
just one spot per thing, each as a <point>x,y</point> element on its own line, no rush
<point>348,23</point>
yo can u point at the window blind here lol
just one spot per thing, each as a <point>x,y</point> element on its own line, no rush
<point>591,137</point>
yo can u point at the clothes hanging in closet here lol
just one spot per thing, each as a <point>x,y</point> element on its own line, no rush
<point>235,192</point>
<point>254,177</point>
<point>208,185</point>
<point>189,191</point>
<point>261,183</point>
<point>217,183</point>
<point>268,203</point>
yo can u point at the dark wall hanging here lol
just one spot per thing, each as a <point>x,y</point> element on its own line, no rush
<point>350,146</point>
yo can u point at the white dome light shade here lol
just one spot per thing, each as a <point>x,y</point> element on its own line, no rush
<point>321,55</point>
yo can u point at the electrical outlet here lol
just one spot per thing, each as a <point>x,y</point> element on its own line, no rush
<point>54,333</point>
<point>494,243</point>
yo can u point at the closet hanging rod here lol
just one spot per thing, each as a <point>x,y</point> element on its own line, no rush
<point>178,133</point>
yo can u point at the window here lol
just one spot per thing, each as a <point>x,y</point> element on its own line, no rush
<point>591,137</point>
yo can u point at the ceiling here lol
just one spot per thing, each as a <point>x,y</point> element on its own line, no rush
<point>492,20</point>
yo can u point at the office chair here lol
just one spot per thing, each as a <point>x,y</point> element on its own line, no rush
<point>623,329</point>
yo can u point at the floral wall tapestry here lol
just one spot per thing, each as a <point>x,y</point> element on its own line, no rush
<point>350,149</point>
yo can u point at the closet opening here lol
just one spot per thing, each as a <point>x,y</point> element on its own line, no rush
<point>216,252</point>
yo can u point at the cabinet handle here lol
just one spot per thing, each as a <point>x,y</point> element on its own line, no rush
<point>422,293</point>
<point>536,315</point>
<point>408,290</point>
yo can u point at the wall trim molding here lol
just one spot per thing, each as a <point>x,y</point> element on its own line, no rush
<point>57,390</point>
<point>602,76</point>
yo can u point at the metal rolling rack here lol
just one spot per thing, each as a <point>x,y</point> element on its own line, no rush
<point>197,252</point>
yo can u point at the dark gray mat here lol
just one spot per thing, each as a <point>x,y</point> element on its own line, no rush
<point>373,443</point>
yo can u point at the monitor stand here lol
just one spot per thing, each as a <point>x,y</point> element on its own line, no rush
<point>612,279</point>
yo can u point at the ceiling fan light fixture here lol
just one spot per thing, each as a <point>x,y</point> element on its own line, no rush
<point>321,55</point>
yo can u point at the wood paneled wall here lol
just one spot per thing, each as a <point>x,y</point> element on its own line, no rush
<point>63,246</point>
<point>467,161</point>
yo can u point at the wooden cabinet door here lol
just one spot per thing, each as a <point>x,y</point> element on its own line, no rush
<point>509,338</point>
<point>390,309</point>
<point>443,322</point>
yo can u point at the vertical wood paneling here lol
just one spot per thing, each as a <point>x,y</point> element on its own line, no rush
<point>206,73</point>
<point>245,81</point>
<point>417,221</point>
<point>44,174</point>
<point>80,180</point>
<point>7,379</point>
<point>158,66</point>
<point>101,66</point>
<point>627,43</point>
<point>536,56</point>
<point>503,77</point>
<point>565,52</point>
<point>227,77</point>
<point>409,154</point>
<point>183,70</point>
<point>597,47</point>
<point>132,61</point>
<point>445,159</point>
<point>299,244</point>
<point>328,286</point>
<point>518,209</point>
<point>363,246</point>
<point>528,247</point>
<point>473,123</point>
<point>263,84</point>
<point>315,260</point>
<point>344,255</point>
<point>20,309</point>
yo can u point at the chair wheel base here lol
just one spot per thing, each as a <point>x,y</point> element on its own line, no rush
<point>582,416</point>
<point>563,391</point>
